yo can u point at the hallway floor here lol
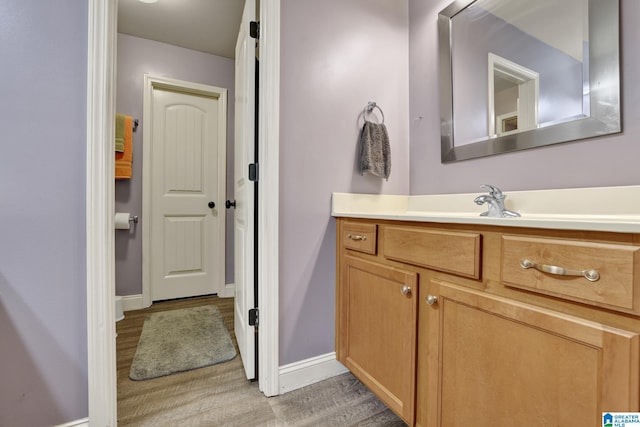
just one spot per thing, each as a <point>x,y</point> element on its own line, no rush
<point>220,395</point>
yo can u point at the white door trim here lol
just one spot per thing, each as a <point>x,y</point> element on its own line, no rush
<point>100,199</point>
<point>154,82</point>
<point>101,60</point>
<point>269,196</point>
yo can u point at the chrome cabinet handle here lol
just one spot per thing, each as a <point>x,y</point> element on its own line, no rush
<point>590,275</point>
<point>406,290</point>
<point>356,237</point>
<point>431,299</point>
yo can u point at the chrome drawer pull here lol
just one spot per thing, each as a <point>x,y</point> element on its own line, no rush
<point>591,275</point>
<point>356,237</point>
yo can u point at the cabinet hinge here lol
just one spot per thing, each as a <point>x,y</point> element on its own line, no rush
<point>254,30</point>
<point>253,171</point>
<point>253,317</point>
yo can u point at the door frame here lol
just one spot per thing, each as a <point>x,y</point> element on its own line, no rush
<point>528,82</point>
<point>152,82</point>
<point>100,202</point>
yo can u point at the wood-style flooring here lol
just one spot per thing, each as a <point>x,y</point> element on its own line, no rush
<point>220,395</point>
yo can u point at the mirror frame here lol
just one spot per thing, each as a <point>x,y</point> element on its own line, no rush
<point>604,66</point>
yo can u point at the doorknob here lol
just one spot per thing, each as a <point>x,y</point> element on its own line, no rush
<point>229,203</point>
<point>212,205</point>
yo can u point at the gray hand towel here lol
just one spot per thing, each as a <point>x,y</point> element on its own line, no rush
<point>375,151</point>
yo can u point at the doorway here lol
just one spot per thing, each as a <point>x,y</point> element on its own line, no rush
<point>102,17</point>
<point>513,97</point>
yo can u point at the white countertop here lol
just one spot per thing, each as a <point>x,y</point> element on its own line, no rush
<point>614,209</point>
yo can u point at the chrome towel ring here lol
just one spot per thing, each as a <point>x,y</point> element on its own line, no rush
<point>371,105</point>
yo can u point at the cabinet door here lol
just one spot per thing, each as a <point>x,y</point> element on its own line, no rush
<point>505,363</point>
<point>376,333</point>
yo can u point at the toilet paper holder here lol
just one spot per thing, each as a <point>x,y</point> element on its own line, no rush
<point>124,221</point>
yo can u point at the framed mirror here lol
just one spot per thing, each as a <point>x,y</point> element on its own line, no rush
<point>518,74</point>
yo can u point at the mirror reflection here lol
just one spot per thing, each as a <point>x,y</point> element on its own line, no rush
<point>518,74</point>
<point>517,62</point>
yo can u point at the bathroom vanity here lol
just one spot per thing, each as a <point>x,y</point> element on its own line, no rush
<point>454,319</point>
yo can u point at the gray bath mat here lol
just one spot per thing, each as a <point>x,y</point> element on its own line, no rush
<point>181,340</point>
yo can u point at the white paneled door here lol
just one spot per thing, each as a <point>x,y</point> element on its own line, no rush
<point>187,196</point>
<point>244,153</point>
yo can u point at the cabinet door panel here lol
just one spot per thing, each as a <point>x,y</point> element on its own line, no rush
<point>377,330</point>
<point>503,362</point>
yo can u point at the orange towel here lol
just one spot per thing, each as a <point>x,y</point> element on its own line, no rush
<point>124,159</point>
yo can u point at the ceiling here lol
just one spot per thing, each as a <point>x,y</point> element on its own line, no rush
<point>561,24</point>
<point>209,26</point>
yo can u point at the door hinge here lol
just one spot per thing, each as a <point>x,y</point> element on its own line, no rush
<point>253,171</point>
<point>253,317</point>
<point>254,30</point>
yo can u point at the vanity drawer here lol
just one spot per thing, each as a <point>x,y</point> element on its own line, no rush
<point>449,251</point>
<point>360,237</point>
<point>617,268</point>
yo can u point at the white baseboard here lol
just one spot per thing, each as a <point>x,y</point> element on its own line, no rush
<point>78,423</point>
<point>132,302</point>
<point>306,372</point>
<point>229,291</point>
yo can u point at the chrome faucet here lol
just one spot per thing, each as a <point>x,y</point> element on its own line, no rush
<point>495,201</point>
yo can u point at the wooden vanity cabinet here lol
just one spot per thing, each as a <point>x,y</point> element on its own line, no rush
<point>376,320</point>
<point>494,344</point>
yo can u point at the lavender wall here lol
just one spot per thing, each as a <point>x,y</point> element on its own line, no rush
<point>605,161</point>
<point>136,57</point>
<point>335,56</point>
<point>43,337</point>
